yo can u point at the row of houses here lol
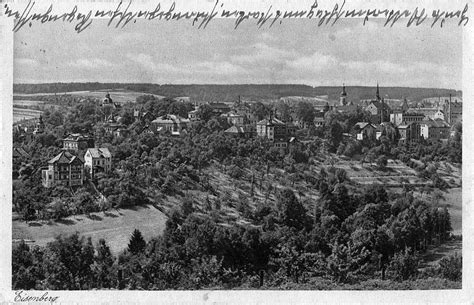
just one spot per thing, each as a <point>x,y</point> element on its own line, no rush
<point>78,156</point>
<point>428,129</point>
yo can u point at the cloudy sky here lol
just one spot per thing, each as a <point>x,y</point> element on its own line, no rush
<point>296,52</point>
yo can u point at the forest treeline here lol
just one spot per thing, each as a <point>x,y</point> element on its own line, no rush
<point>230,93</point>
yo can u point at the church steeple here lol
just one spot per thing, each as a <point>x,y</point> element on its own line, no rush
<point>377,93</point>
<point>342,99</point>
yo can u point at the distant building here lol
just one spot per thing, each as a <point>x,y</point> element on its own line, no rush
<point>343,97</point>
<point>441,100</point>
<point>319,121</point>
<point>98,160</point>
<point>170,123</point>
<point>39,128</point>
<point>409,132</point>
<point>108,102</point>
<point>379,110</point>
<point>219,108</point>
<point>64,169</point>
<point>434,129</point>
<point>113,128</point>
<point>143,116</point>
<point>399,118</point>
<point>272,129</point>
<point>453,112</point>
<point>193,114</point>
<point>365,131</point>
<point>77,142</point>
<point>240,131</point>
<point>234,118</point>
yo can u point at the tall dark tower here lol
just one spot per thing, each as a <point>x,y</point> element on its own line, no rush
<point>382,104</point>
<point>449,110</point>
<point>377,93</point>
<point>342,99</point>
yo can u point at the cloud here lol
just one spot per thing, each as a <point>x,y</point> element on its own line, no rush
<point>260,53</point>
<point>204,68</point>
<point>93,63</point>
<point>315,62</point>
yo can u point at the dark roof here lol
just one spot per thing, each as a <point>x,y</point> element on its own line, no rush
<point>435,123</point>
<point>65,157</point>
<point>77,137</point>
<point>271,121</point>
<point>363,125</point>
<point>238,129</point>
<point>379,104</point>
<point>100,152</point>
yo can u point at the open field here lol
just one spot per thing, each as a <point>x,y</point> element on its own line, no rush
<point>27,103</point>
<point>396,173</point>
<point>117,95</point>
<point>25,114</point>
<point>115,226</point>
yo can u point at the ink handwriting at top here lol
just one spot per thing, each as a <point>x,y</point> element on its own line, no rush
<point>123,15</point>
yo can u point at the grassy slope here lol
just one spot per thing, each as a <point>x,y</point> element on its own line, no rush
<point>114,226</point>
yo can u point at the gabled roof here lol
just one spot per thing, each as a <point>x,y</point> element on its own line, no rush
<point>363,125</point>
<point>219,105</point>
<point>77,137</point>
<point>271,121</point>
<point>378,104</point>
<point>438,123</point>
<point>100,152</point>
<point>231,114</point>
<point>170,119</point>
<point>238,129</point>
<point>65,157</point>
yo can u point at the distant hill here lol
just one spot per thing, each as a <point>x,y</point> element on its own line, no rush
<point>229,93</point>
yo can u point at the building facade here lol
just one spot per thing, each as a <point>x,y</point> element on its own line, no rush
<point>399,117</point>
<point>170,123</point>
<point>98,160</point>
<point>64,169</point>
<point>434,129</point>
<point>76,142</point>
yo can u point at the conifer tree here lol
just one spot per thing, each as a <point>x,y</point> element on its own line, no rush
<point>137,243</point>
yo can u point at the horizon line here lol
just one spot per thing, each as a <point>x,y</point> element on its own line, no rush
<point>232,84</point>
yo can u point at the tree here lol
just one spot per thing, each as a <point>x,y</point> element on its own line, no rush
<point>259,110</point>
<point>305,112</point>
<point>404,265</point>
<point>334,135</point>
<point>205,112</point>
<point>137,244</point>
<point>292,212</point>
<point>382,162</point>
<point>103,262</point>
<point>283,111</point>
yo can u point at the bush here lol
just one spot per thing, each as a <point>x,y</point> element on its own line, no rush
<point>404,265</point>
<point>450,267</point>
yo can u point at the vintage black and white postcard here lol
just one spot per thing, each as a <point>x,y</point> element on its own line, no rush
<point>229,151</point>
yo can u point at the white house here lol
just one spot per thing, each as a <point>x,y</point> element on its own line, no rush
<point>98,160</point>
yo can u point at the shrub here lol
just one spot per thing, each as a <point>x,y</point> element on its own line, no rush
<point>450,267</point>
<point>404,265</point>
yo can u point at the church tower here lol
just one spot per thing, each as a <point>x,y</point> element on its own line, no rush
<point>342,99</point>
<point>377,93</point>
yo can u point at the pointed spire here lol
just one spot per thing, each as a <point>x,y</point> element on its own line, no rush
<point>343,93</point>
<point>377,93</point>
